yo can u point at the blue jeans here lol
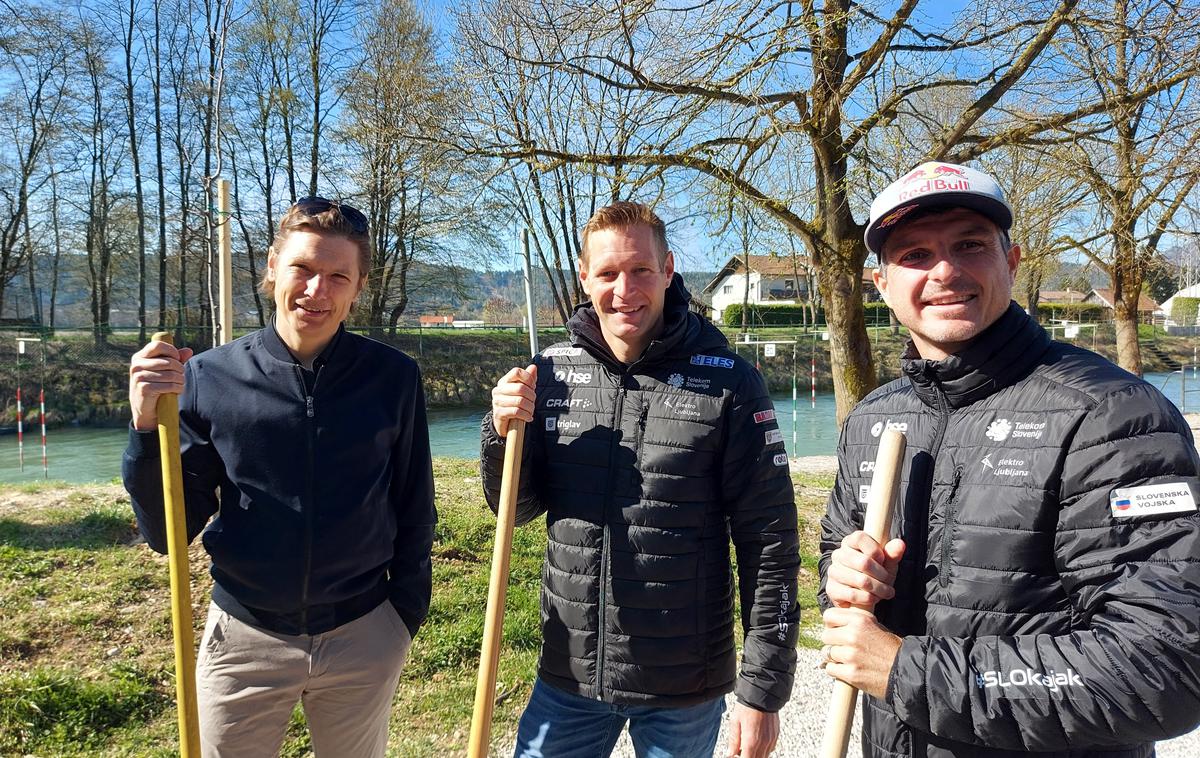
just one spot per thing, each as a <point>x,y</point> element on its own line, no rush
<point>558,724</point>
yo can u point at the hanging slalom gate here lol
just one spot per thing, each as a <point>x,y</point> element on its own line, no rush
<point>21,342</point>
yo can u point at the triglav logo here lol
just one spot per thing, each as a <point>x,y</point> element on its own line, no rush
<point>571,376</point>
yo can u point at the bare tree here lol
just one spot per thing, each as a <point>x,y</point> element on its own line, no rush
<point>36,55</point>
<point>416,198</point>
<point>1046,197</point>
<point>1143,168</point>
<point>740,90</point>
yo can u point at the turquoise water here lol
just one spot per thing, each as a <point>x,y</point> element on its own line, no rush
<point>91,455</point>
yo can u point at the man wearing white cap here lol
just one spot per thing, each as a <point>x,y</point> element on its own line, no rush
<point>1042,593</point>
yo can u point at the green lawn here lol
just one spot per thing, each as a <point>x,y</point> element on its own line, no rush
<point>85,644</point>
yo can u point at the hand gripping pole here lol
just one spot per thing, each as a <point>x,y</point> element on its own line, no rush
<point>177,557</point>
<point>885,485</point>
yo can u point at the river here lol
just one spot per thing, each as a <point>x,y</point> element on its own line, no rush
<point>80,455</point>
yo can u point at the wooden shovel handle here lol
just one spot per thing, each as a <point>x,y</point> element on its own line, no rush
<point>881,501</point>
<point>177,557</point>
<point>493,625</point>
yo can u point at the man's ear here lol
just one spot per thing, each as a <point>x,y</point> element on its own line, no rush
<point>1014,260</point>
<point>881,284</point>
<point>271,258</point>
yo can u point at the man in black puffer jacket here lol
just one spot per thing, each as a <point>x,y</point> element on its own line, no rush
<point>651,446</point>
<point>1043,595</point>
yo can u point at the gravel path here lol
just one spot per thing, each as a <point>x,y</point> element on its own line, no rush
<point>803,720</point>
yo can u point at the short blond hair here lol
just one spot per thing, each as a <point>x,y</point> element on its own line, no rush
<point>623,215</point>
<point>332,221</point>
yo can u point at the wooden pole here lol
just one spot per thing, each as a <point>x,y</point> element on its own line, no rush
<point>225,256</point>
<point>885,484</point>
<point>493,625</point>
<point>177,557</point>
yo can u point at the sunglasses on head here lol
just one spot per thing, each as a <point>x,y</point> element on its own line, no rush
<point>312,205</point>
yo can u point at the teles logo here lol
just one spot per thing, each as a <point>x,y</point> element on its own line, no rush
<point>712,360</point>
<point>571,376</point>
<point>881,426</point>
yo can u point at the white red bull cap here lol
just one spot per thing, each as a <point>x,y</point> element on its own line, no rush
<point>935,184</point>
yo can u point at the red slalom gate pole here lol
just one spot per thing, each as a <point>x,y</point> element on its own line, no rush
<point>20,429</point>
<point>42,418</point>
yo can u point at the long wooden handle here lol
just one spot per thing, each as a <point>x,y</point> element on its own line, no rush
<point>493,625</point>
<point>885,484</point>
<point>177,557</point>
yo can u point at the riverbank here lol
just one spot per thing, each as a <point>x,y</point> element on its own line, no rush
<point>88,384</point>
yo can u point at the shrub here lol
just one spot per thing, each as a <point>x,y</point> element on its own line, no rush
<point>1183,310</point>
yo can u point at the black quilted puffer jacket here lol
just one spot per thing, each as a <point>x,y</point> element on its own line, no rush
<point>645,473</point>
<point>1049,599</point>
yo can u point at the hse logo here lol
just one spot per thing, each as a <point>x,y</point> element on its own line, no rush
<point>571,376</point>
<point>712,360</point>
<point>1001,429</point>
<point>1051,680</point>
<point>568,402</point>
<point>881,426</point>
<point>675,380</point>
<point>557,423</point>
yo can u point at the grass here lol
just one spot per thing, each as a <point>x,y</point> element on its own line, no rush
<point>85,648</point>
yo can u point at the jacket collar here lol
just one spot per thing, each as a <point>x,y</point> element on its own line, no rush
<point>1001,355</point>
<point>682,330</point>
<point>278,350</point>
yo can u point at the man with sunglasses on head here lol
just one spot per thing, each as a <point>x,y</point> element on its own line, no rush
<point>308,449</point>
<point>1042,593</point>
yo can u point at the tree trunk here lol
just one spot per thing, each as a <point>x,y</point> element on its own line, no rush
<point>851,361</point>
<point>137,175</point>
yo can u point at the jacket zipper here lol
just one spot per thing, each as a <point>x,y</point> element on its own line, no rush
<point>948,528</point>
<point>604,544</point>
<point>308,503</point>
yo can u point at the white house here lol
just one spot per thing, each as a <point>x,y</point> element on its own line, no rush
<point>774,280</point>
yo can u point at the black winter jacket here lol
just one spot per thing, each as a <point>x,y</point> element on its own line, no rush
<point>323,497</point>
<point>645,472</point>
<point>1049,599</point>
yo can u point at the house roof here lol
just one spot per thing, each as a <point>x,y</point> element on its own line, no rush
<point>1061,296</point>
<point>768,265</point>
<point>1105,295</point>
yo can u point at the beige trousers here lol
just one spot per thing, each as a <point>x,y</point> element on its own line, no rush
<point>248,681</point>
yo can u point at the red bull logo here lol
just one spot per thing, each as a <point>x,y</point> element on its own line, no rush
<point>943,170</point>
<point>938,184</point>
